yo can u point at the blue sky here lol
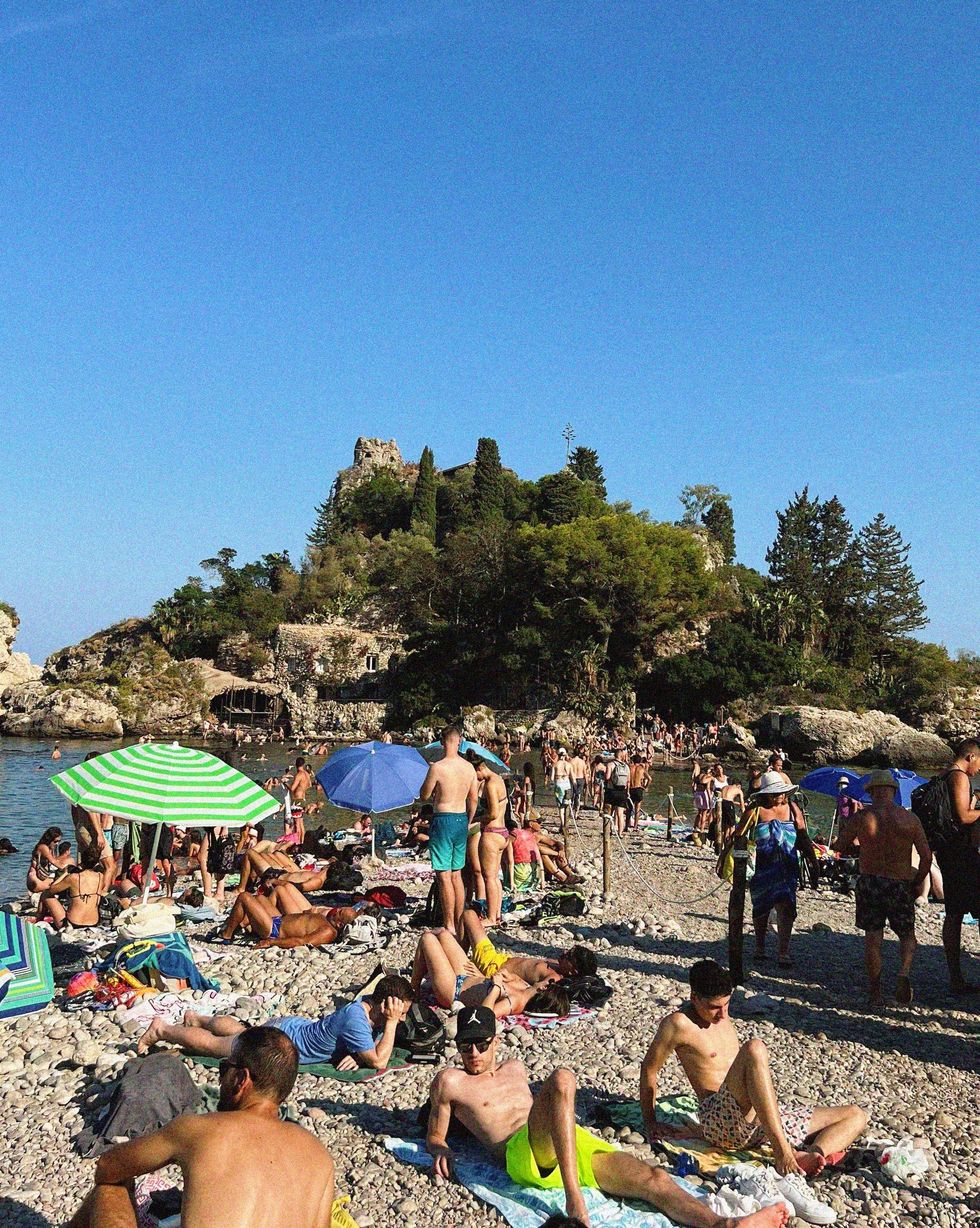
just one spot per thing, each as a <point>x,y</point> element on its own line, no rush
<point>731,243</point>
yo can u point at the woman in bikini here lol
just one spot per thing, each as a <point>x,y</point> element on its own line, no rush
<point>495,841</point>
<point>442,973</point>
<point>47,863</point>
<point>84,887</point>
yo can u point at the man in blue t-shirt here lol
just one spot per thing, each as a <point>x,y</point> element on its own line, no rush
<point>362,1033</point>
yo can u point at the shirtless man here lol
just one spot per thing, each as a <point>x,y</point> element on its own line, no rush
<point>537,1140</point>
<point>238,1150</point>
<point>579,770</point>
<point>639,779</point>
<point>452,787</point>
<point>887,885</point>
<point>563,785</point>
<point>734,1085</point>
<point>299,786</point>
<point>732,805</point>
<point>776,764</point>
<point>576,961</point>
<point>494,840</point>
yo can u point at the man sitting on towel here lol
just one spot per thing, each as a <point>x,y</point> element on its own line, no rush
<point>536,1137</point>
<point>231,1160</point>
<point>734,1084</point>
<point>576,961</point>
<point>362,1033</point>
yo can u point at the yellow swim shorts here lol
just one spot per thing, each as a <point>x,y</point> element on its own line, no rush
<point>487,958</point>
<point>522,1168</point>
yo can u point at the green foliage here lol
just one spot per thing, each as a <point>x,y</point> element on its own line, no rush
<point>696,500</point>
<point>719,520</point>
<point>10,612</point>
<point>488,486</point>
<point>890,606</point>
<point>324,526</point>
<point>563,497</point>
<point>423,515</point>
<point>584,463</point>
<point>375,507</point>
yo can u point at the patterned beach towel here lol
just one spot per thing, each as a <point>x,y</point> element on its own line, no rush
<point>681,1133</point>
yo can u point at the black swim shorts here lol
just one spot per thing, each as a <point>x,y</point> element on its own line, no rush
<point>959,862</point>
<point>878,899</point>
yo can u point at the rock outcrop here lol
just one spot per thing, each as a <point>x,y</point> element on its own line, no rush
<point>34,709</point>
<point>958,716</point>
<point>16,668</point>
<point>370,455</point>
<point>830,735</point>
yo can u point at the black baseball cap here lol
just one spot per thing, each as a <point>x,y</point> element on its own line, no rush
<point>475,1023</point>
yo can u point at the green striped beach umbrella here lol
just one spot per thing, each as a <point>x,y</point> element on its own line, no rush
<point>26,979</point>
<point>155,782</point>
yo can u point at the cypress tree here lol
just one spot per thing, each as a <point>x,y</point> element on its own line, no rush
<point>488,480</point>
<point>423,518</point>
<point>323,527</point>
<point>720,523</point>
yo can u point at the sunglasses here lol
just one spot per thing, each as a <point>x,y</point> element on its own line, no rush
<point>481,1046</point>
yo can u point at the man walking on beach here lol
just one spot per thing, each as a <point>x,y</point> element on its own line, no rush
<point>617,785</point>
<point>452,787</point>
<point>887,885</point>
<point>537,1139</point>
<point>579,770</point>
<point>733,1082</point>
<point>231,1160</point>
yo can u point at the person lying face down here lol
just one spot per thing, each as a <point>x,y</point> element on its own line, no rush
<point>244,1137</point>
<point>576,961</point>
<point>362,1033</point>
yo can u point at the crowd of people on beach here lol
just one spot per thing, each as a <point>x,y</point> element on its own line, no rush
<point>482,832</point>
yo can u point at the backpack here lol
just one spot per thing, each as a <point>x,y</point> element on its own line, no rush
<point>932,806</point>
<point>422,1033</point>
<point>561,904</point>
<point>619,774</point>
<point>342,877</point>
<point>221,855</point>
<point>429,916</point>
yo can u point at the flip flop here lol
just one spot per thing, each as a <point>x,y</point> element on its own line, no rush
<point>903,991</point>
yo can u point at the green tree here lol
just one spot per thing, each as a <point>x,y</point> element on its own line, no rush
<point>584,463</point>
<point>488,485</point>
<point>324,526</point>
<point>375,507</point>
<point>696,500</point>
<point>562,497</point>
<point>891,607</point>
<point>719,520</point>
<point>423,516</point>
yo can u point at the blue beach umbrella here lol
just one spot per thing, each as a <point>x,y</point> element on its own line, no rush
<point>824,780</point>
<point>373,777</point>
<point>433,752</point>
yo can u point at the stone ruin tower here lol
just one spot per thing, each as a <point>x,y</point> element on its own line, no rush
<point>369,456</point>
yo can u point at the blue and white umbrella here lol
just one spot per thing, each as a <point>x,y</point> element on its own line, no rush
<point>433,752</point>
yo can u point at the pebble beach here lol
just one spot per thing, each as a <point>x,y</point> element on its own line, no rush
<point>914,1069</point>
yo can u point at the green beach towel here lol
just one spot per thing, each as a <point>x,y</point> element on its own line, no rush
<point>324,1070</point>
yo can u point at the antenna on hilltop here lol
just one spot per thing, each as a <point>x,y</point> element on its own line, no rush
<point>568,435</point>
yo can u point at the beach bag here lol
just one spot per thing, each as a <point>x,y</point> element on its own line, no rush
<point>933,807</point>
<point>429,916</point>
<point>221,855</point>
<point>363,930</point>
<point>725,866</point>
<point>422,1033</point>
<point>386,897</point>
<point>562,904</point>
<point>342,877</point>
<point>588,991</point>
<point>150,920</point>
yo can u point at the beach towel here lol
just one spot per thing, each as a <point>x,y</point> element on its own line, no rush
<point>324,1070</point>
<point>171,1007</point>
<point>682,1132</point>
<point>528,1208</point>
<point>531,1022</point>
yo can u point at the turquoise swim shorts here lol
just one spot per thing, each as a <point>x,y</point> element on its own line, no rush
<point>447,841</point>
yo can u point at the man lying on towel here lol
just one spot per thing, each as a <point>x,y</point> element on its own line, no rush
<point>279,915</point>
<point>362,1033</point>
<point>536,1137</point>
<point>231,1161</point>
<point>734,1084</point>
<point>576,961</point>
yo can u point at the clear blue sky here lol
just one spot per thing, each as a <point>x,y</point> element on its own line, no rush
<point>731,243</point>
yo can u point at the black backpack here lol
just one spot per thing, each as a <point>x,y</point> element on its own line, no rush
<point>561,904</point>
<point>342,877</point>
<point>591,991</point>
<point>932,806</point>
<point>429,916</point>
<point>422,1033</point>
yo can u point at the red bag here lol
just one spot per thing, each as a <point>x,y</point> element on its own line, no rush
<point>386,897</point>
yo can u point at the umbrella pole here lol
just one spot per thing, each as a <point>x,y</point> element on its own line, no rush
<point>374,855</point>
<point>153,861</point>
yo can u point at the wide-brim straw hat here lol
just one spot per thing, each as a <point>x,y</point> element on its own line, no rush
<point>772,782</point>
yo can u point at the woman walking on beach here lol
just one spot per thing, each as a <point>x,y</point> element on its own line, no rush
<point>780,837</point>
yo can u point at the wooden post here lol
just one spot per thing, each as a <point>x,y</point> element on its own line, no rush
<point>716,824</point>
<point>736,910</point>
<point>670,812</point>
<point>606,853</point>
<point>566,832</point>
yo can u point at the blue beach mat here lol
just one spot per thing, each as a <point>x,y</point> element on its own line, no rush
<point>522,1207</point>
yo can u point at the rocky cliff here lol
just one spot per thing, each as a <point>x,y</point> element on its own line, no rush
<point>16,668</point>
<point>830,735</point>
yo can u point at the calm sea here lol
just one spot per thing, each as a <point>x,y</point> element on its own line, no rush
<point>29,802</point>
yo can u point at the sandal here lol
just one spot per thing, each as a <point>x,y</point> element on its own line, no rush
<point>903,991</point>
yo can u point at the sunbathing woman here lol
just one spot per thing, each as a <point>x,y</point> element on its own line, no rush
<point>256,861</point>
<point>84,887</point>
<point>443,973</point>
<point>50,857</point>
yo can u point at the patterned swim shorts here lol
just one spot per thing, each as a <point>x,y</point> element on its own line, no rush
<point>724,1124</point>
<point>878,899</point>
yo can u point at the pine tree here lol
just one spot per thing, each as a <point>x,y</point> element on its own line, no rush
<point>423,518</point>
<point>584,463</point>
<point>790,559</point>
<point>323,527</point>
<point>891,606</point>
<point>720,523</point>
<point>488,485</point>
<point>559,497</point>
